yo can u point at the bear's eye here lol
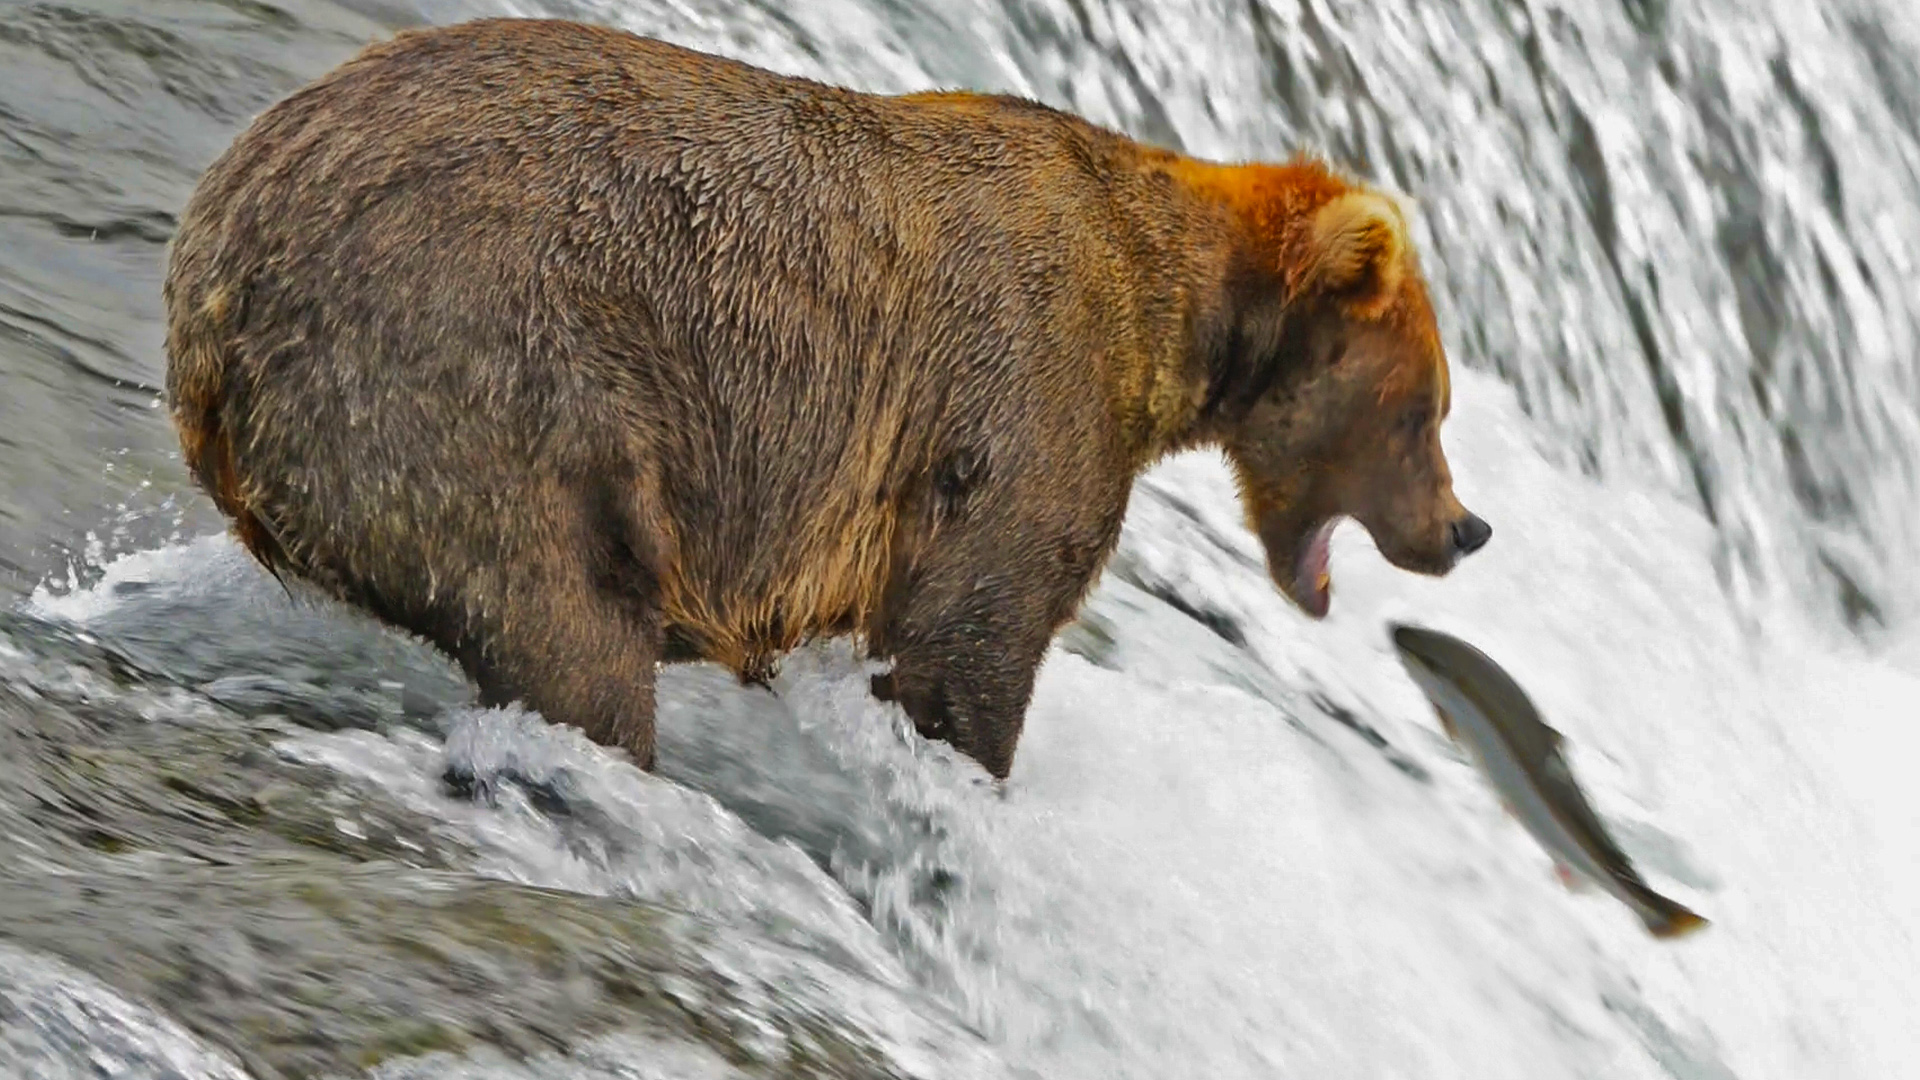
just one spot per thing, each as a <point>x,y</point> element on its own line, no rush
<point>1415,420</point>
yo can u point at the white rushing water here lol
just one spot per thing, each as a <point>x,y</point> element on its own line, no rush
<point>1197,870</point>
<point>1199,867</point>
<point>47,1008</point>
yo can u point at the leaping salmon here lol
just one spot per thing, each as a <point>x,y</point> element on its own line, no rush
<point>1487,713</point>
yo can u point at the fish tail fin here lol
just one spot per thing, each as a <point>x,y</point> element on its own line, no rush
<point>1667,919</point>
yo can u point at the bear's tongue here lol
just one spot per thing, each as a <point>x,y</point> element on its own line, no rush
<point>1312,584</point>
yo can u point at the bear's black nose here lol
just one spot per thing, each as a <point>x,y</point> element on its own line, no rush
<point>1470,534</point>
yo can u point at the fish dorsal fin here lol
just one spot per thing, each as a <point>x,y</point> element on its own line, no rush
<point>1574,804</point>
<point>1581,813</point>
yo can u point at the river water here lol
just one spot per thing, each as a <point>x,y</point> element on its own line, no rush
<point>243,834</point>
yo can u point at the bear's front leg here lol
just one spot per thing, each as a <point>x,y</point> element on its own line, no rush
<point>973,601</point>
<point>964,672</point>
<point>968,628</point>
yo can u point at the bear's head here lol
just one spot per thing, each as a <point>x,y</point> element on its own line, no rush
<point>1342,385</point>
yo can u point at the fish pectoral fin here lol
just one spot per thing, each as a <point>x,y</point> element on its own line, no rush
<point>1570,878</point>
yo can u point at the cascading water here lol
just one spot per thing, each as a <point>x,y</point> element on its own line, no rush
<point>1670,248</point>
<point>1683,234</point>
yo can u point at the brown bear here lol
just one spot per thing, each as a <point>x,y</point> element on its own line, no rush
<point>576,352</point>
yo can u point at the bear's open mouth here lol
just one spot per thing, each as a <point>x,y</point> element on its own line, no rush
<point>1312,584</point>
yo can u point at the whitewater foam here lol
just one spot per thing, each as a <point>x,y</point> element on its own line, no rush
<point>1235,841</point>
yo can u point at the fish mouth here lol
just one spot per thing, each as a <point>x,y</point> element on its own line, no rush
<point>1310,583</point>
<point>1407,639</point>
<point>1422,650</point>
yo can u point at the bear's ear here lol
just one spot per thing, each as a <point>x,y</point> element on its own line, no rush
<point>1358,252</point>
